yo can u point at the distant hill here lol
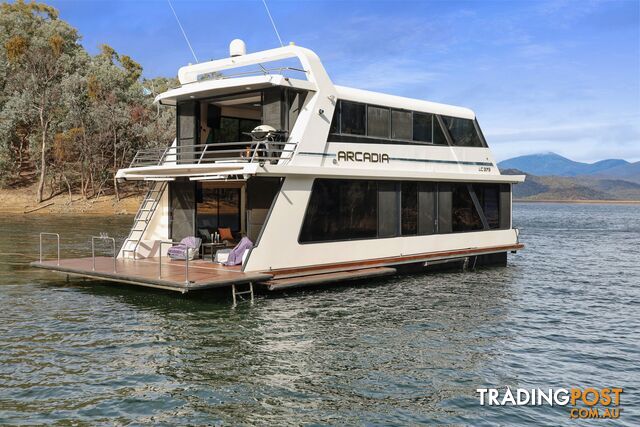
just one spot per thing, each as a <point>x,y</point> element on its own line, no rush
<point>557,165</point>
<point>573,188</point>
<point>629,172</point>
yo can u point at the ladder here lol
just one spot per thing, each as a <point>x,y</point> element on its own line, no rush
<point>236,293</point>
<point>142,219</point>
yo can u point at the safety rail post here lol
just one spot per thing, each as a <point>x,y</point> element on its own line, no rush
<point>58,244</point>
<point>93,251</point>
<point>186,269</point>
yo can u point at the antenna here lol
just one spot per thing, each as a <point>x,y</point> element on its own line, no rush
<point>272,23</point>
<point>183,33</point>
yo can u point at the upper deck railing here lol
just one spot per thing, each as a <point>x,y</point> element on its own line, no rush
<point>224,152</point>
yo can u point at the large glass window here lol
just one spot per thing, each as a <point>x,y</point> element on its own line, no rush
<point>353,118</point>
<point>427,204</point>
<point>236,130</point>
<point>422,127</point>
<point>377,122</point>
<point>409,202</point>
<point>489,198</point>
<point>388,209</point>
<point>217,208</point>
<point>401,125</point>
<point>359,209</point>
<point>341,210</point>
<point>464,216</point>
<point>438,134</point>
<point>462,131</point>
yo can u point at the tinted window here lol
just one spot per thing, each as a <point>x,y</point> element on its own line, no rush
<point>409,203</point>
<point>438,134</point>
<point>334,120</point>
<point>489,199</point>
<point>427,208</point>
<point>464,216</point>
<point>505,206</point>
<point>388,206</point>
<point>401,124</point>
<point>352,118</point>
<point>444,207</point>
<point>341,210</point>
<point>462,131</point>
<point>422,127</point>
<point>377,122</point>
<point>217,207</point>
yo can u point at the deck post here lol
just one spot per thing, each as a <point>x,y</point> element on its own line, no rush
<point>186,270</point>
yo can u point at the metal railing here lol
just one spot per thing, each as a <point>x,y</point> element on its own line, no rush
<point>93,251</point>
<point>245,152</point>
<point>58,244</point>
<point>186,260</point>
<point>262,70</point>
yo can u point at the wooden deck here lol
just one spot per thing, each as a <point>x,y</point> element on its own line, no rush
<point>203,274</point>
<point>145,272</point>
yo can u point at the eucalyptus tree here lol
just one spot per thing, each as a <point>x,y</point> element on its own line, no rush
<point>40,50</point>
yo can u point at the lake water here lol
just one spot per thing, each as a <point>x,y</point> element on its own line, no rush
<point>405,350</point>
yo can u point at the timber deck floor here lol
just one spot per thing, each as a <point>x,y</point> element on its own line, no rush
<point>145,272</point>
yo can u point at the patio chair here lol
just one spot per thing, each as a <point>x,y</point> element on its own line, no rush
<point>188,247</point>
<point>237,254</point>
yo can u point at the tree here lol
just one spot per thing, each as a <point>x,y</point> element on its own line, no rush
<point>40,50</point>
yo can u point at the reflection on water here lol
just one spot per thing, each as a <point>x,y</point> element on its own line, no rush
<point>405,350</point>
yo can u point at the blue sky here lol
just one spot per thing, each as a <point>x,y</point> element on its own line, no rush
<point>560,76</point>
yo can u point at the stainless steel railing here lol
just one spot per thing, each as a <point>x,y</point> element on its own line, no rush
<point>58,244</point>
<point>93,250</point>
<point>186,263</point>
<point>246,152</point>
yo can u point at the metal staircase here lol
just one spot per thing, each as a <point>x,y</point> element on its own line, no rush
<point>142,219</point>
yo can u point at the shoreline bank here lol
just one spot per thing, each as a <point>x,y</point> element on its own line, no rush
<point>22,202</point>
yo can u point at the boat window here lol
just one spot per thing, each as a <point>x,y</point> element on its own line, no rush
<point>388,207</point>
<point>217,207</point>
<point>489,198</point>
<point>335,121</point>
<point>359,209</point>
<point>295,103</point>
<point>233,129</point>
<point>187,124</point>
<point>438,134</point>
<point>444,207</point>
<point>462,131</point>
<point>464,216</point>
<point>352,118</point>
<point>427,203</point>
<point>422,127</point>
<point>341,210</point>
<point>401,125</point>
<point>505,206</point>
<point>409,203</point>
<point>378,122</point>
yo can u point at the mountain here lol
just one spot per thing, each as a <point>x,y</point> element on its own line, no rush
<point>572,188</point>
<point>629,172</point>
<point>556,165</point>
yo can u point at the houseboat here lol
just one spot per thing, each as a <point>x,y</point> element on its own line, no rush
<point>328,183</point>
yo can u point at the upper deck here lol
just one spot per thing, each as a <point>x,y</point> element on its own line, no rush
<point>314,127</point>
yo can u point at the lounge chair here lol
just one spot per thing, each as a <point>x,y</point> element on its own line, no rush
<point>237,254</point>
<point>188,247</point>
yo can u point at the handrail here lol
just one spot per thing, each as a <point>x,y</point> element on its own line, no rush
<point>93,252</point>
<point>58,244</point>
<point>242,151</point>
<point>186,258</point>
